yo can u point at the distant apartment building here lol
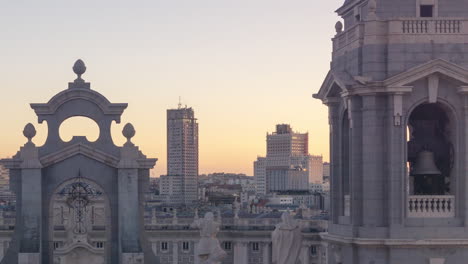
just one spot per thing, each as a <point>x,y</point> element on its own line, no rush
<point>316,169</point>
<point>6,195</point>
<point>286,166</point>
<point>260,175</point>
<point>181,182</point>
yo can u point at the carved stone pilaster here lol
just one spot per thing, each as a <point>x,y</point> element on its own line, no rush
<point>129,224</point>
<point>31,200</point>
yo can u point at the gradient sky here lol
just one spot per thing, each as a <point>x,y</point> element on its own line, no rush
<point>243,65</point>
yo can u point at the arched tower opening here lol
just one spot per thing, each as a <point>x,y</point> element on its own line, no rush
<point>430,150</point>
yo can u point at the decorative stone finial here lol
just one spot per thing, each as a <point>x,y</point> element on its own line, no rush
<point>338,27</point>
<point>128,132</point>
<point>29,131</point>
<point>79,68</point>
<point>372,6</point>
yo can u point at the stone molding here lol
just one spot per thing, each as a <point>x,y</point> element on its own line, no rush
<point>424,70</point>
<point>394,242</point>
<point>400,83</point>
<point>82,149</point>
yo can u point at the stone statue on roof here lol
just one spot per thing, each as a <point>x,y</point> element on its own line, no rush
<point>287,240</point>
<point>208,250</point>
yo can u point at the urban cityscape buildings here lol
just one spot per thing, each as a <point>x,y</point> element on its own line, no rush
<point>180,185</point>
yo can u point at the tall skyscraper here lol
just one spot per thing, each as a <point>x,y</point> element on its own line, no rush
<point>182,156</point>
<point>287,164</point>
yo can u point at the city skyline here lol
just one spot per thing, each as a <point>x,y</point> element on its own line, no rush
<point>241,79</point>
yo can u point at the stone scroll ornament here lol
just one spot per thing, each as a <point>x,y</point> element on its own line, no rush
<point>208,250</point>
<point>287,241</point>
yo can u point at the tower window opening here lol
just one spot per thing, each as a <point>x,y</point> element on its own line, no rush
<point>430,150</point>
<point>426,11</point>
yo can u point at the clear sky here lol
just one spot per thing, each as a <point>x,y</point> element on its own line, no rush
<point>243,65</point>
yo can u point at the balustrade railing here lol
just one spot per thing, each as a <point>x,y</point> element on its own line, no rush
<point>427,206</point>
<point>357,34</point>
<point>431,26</point>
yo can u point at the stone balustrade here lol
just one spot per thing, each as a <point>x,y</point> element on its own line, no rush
<point>432,26</point>
<point>348,37</point>
<point>428,206</point>
<point>397,30</point>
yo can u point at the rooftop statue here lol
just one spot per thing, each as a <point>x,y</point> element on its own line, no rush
<point>208,250</point>
<point>287,240</point>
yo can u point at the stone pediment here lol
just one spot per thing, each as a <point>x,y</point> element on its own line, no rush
<point>400,83</point>
<point>332,87</point>
<point>95,154</point>
<point>437,66</point>
<point>79,149</point>
<point>347,5</point>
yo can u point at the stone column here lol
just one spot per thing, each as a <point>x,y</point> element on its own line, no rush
<point>31,202</point>
<point>241,254</point>
<point>305,259</point>
<point>197,260</point>
<point>336,205</point>
<point>266,253</point>
<point>129,217</point>
<point>397,175</point>
<point>323,256</point>
<point>372,173</point>
<point>175,252</point>
<point>464,168</point>
<point>2,250</point>
<point>356,183</point>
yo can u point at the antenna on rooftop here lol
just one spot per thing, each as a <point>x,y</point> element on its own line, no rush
<point>180,102</point>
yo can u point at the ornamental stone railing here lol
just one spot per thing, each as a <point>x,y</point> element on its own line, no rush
<point>427,206</point>
<point>439,26</point>
<point>398,30</point>
<point>348,37</point>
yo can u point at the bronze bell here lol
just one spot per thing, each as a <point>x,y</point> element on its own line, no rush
<point>425,164</point>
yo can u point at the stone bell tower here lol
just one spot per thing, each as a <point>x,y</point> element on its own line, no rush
<point>397,94</point>
<point>79,170</point>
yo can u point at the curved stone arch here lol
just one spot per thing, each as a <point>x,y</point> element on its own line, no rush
<point>107,220</point>
<point>75,102</point>
<point>62,98</point>
<point>452,114</point>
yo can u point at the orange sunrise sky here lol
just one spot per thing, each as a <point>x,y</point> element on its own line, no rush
<point>244,66</point>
